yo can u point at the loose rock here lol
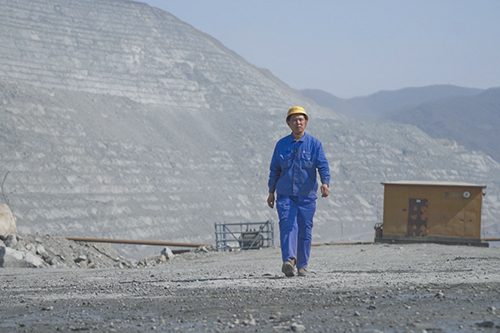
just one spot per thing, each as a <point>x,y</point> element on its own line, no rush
<point>7,222</point>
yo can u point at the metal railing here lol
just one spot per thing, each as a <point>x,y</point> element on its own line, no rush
<point>244,235</point>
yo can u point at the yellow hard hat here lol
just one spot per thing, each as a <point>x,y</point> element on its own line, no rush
<point>295,110</point>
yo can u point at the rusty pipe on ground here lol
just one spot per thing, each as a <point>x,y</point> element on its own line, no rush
<point>492,239</point>
<point>343,243</point>
<point>134,242</point>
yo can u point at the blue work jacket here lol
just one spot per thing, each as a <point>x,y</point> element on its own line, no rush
<point>294,164</point>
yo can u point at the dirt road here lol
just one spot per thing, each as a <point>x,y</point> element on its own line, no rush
<point>355,288</point>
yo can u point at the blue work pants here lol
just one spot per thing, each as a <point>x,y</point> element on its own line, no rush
<point>296,223</point>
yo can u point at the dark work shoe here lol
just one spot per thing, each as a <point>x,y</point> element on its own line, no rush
<point>302,272</point>
<point>287,268</point>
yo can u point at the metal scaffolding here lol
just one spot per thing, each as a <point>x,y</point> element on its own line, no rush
<point>244,235</point>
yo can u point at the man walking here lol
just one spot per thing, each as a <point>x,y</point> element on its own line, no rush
<point>292,175</point>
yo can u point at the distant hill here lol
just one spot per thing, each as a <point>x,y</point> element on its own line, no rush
<point>376,106</point>
<point>326,99</point>
<point>471,121</point>
<point>468,116</point>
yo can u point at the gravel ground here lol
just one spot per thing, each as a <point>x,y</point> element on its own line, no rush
<point>351,288</point>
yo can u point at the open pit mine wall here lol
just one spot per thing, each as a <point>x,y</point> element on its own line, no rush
<point>117,120</point>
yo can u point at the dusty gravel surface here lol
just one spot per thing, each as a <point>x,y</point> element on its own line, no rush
<point>355,288</point>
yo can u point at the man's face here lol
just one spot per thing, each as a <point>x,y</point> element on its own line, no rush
<point>297,124</point>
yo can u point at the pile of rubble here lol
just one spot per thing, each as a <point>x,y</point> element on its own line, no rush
<point>41,251</point>
<point>24,250</point>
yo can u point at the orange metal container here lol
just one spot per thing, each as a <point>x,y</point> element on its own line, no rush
<point>432,211</point>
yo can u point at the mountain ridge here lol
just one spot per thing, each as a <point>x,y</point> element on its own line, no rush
<point>469,120</point>
<point>376,106</point>
<point>443,112</point>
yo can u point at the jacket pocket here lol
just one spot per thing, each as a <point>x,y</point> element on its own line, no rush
<point>307,161</point>
<point>286,161</point>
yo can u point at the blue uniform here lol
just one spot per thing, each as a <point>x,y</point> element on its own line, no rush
<point>293,173</point>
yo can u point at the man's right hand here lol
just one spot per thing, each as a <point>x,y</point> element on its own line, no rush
<point>270,200</point>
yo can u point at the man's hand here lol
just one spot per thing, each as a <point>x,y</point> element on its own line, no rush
<point>270,200</point>
<point>325,190</point>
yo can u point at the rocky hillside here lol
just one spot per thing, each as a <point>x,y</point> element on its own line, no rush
<point>117,120</point>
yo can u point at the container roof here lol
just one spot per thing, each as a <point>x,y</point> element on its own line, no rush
<point>432,183</point>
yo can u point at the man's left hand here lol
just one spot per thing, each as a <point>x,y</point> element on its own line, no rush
<point>325,190</point>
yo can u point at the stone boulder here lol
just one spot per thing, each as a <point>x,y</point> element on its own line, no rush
<point>10,241</point>
<point>13,258</point>
<point>166,254</point>
<point>7,222</point>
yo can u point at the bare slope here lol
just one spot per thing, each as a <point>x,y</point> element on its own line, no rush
<point>119,120</point>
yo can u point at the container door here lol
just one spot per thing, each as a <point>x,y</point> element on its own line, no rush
<point>417,217</point>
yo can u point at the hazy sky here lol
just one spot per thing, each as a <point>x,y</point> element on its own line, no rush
<point>356,47</point>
